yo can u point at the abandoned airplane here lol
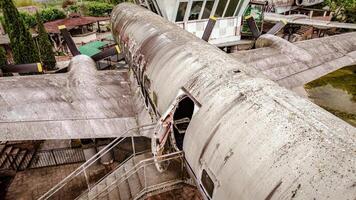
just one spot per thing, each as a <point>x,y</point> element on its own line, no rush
<point>244,134</point>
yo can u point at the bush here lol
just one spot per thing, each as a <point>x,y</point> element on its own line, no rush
<point>3,60</point>
<point>115,2</point>
<point>45,46</point>
<point>73,9</point>
<point>98,9</point>
<point>23,47</point>
<point>30,20</point>
<point>50,14</point>
<point>2,21</point>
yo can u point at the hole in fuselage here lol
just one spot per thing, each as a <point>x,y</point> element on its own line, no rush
<point>181,118</point>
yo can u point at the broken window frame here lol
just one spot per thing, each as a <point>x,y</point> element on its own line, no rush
<point>207,183</point>
<point>203,8</point>
<point>229,5</point>
<point>191,7</point>
<point>179,3</point>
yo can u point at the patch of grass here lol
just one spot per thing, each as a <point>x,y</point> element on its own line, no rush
<point>344,78</point>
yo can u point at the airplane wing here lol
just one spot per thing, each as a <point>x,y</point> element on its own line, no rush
<point>65,106</point>
<point>295,64</point>
<point>305,20</point>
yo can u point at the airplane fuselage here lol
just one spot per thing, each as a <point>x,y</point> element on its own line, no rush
<point>244,137</point>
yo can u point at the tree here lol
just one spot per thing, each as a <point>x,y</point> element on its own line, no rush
<point>22,44</point>
<point>99,9</point>
<point>30,20</point>
<point>50,14</point>
<point>344,10</point>
<point>3,60</point>
<point>46,49</point>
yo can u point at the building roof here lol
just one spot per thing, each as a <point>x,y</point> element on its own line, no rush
<point>52,27</point>
<point>96,44</point>
<point>92,48</point>
<point>89,51</point>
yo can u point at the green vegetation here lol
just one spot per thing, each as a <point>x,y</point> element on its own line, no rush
<point>46,52</point>
<point>98,9</point>
<point>23,46</point>
<point>30,20</point>
<point>73,9</point>
<point>344,10</point>
<point>50,14</point>
<point>344,79</point>
<point>3,60</point>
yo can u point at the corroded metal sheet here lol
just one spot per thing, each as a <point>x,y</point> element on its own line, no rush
<point>255,139</point>
<point>295,64</point>
<point>83,103</point>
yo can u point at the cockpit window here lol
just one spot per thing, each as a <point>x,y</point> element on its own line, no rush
<point>221,7</point>
<point>195,11</point>
<point>152,6</point>
<point>208,184</point>
<point>207,9</point>
<point>231,8</point>
<point>181,11</point>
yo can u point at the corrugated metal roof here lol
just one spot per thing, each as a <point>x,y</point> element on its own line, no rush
<point>96,44</point>
<point>52,27</point>
<point>89,51</point>
<point>92,48</point>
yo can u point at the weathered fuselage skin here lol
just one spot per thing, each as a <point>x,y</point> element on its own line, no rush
<point>255,139</point>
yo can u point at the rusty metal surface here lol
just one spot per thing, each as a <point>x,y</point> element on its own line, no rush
<point>83,103</point>
<point>52,27</point>
<point>295,64</point>
<point>256,139</point>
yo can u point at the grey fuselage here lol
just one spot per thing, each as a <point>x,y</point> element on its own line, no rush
<point>252,138</point>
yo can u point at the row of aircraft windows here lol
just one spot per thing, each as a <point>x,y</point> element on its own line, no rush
<point>199,10</point>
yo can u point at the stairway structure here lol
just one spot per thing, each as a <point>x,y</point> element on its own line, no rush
<point>138,178</point>
<point>15,158</point>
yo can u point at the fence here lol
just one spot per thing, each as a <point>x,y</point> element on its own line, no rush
<point>57,157</point>
<point>45,158</point>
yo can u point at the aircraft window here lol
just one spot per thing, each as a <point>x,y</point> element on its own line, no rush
<point>232,7</point>
<point>221,7</point>
<point>152,7</point>
<point>208,184</point>
<point>207,10</point>
<point>195,11</point>
<point>181,11</point>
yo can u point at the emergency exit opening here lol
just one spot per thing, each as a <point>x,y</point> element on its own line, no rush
<point>181,119</point>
